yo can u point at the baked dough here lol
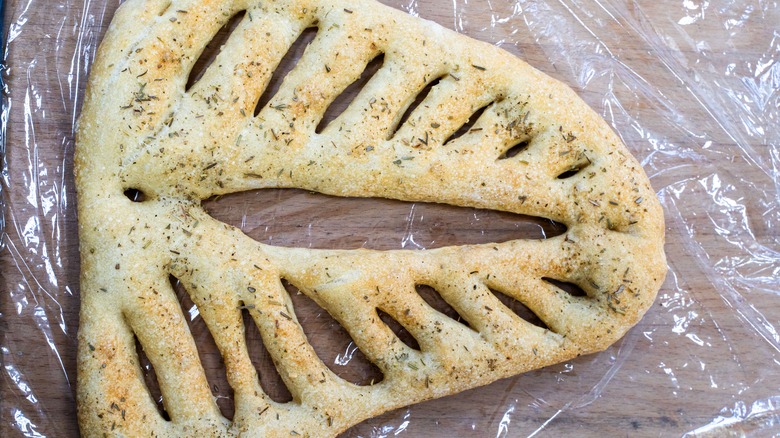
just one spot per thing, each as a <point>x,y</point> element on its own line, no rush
<point>142,130</point>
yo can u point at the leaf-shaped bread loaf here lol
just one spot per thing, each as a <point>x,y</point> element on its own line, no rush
<point>143,131</point>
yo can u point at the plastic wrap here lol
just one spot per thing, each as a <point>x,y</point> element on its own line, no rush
<point>693,89</point>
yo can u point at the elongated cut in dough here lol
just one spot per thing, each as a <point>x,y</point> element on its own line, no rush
<point>536,149</point>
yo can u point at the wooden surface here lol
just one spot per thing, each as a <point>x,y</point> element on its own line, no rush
<point>689,89</point>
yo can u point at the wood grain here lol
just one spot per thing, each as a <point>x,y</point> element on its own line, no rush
<point>698,351</point>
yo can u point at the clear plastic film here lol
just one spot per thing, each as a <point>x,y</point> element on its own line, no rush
<point>692,87</point>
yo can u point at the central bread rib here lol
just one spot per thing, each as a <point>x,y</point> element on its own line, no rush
<point>537,149</point>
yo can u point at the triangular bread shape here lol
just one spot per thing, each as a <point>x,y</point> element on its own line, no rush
<point>150,149</point>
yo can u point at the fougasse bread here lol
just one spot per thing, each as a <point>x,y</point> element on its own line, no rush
<point>536,149</point>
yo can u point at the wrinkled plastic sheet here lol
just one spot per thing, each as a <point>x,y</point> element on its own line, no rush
<point>693,89</point>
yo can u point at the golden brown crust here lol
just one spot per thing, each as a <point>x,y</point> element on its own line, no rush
<point>141,129</point>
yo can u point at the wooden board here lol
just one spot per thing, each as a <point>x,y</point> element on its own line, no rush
<point>671,80</point>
